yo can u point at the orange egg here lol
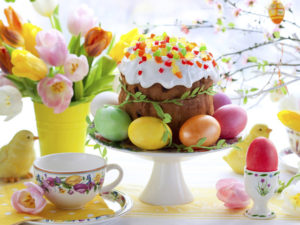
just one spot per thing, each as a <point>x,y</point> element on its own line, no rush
<point>198,127</point>
<point>276,11</point>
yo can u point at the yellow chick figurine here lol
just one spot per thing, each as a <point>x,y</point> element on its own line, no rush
<point>16,158</point>
<point>236,158</point>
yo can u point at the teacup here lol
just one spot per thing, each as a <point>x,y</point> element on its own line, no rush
<point>294,138</point>
<point>70,180</point>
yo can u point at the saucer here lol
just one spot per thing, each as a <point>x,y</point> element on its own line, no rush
<point>289,160</point>
<point>118,201</point>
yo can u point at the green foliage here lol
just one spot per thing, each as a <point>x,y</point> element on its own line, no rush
<point>226,60</point>
<point>276,34</point>
<point>100,77</point>
<point>27,87</point>
<point>220,144</point>
<point>253,89</point>
<point>202,47</point>
<point>74,45</point>
<point>91,131</point>
<point>55,19</point>
<point>231,25</point>
<point>252,59</point>
<point>102,151</point>
<point>219,22</point>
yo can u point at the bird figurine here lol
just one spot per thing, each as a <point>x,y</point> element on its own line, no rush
<point>236,158</point>
<point>16,158</point>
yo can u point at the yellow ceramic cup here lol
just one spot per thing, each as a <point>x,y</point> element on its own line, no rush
<point>64,132</point>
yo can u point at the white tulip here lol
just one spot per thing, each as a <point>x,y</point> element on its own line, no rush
<point>10,102</point>
<point>45,7</point>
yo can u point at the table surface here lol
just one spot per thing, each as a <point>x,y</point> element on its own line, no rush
<point>137,171</point>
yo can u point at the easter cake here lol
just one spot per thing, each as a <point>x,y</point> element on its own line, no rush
<point>173,72</point>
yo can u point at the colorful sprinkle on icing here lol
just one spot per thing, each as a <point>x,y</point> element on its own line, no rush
<point>172,53</point>
<point>168,63</point>
<point>158,59</point>
<point>199,64</point>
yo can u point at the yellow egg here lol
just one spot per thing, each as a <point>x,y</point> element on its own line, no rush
<point>147,133</point>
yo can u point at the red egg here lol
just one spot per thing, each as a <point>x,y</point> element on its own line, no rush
<point>221,99</point>
<point>262,156</point>
<point>232,119</point>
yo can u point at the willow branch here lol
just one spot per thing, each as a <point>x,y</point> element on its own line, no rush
<point>269,89</point>
<point>255,65</point>
<point>257,14</point>
<point>257,46</point>
<point>199,25</point>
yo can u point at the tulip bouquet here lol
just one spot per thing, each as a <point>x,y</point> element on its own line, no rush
<point>41,65</point>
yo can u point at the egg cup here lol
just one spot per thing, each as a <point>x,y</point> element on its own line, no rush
<point>260,186</point>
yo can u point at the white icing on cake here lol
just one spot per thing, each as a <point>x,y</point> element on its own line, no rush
<point>151,75</point>
<point>167,61</point>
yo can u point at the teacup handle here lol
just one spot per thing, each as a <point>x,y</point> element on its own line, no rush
<point>111,186</point>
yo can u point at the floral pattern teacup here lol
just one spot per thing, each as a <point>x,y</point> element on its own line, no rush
<point>70,180</point>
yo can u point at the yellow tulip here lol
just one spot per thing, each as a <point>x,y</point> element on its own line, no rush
<point>27,65</point>
<point>117,52</point>
<point>29,33</point>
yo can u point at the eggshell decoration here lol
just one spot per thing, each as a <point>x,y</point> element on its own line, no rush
<point>232,119</point>
<point>104,98</point>
<point>220,99</point>
<point>262,156</point>
<point>198,127</point>
<point>276,11</point>
<point>147,133</point>
<point>112,123</point>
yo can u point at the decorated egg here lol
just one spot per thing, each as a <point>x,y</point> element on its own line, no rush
<point>262,156</point>
<point>112,123</point>
<point>220,99</point>
<point>104,98</point>
<point>232,119</point>
<point>276,11</point>
<point>147,133</point>
<point>198,127</point>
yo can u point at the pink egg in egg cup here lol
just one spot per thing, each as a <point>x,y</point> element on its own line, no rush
<point>261,177</point>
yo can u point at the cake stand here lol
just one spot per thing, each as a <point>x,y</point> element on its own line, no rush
<point>166,185</point>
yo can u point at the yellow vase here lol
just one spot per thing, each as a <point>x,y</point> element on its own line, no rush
<point>64,132</point>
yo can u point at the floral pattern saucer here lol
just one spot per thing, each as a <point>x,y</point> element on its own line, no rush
<point>118,201</point>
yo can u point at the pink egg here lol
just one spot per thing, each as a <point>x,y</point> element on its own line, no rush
<point>221,99</point>
<point>232,119</point>
<point>262,156</point>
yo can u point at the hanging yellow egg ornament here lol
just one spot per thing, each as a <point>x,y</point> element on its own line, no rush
<point>276,11</point>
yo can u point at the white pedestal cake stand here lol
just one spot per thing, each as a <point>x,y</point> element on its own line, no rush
<point>166,185</point>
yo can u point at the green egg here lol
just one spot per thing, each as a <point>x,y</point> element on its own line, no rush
<point>112,123</point>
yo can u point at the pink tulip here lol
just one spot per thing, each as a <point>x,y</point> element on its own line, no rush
<point>56,92</point>
<point>4,81</point>
<point>76,68</point>
<point>52,47</point>
<point>232,193</point>
<point>29,200</point>
<point>81,20</point>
